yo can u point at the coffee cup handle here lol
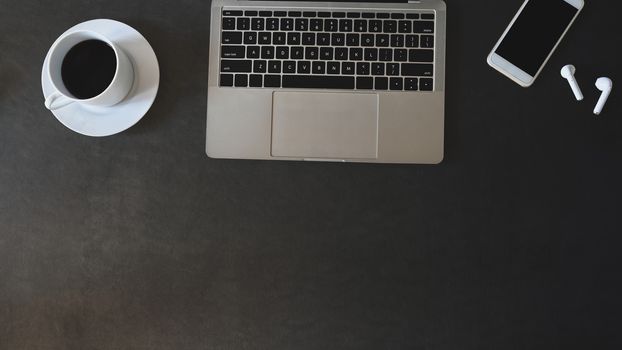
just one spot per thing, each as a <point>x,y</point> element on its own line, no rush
<point>56,101</point>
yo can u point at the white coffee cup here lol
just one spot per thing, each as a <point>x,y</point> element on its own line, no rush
<point>116,91</point>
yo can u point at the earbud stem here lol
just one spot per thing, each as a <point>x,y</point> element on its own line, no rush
<point>601,102</point>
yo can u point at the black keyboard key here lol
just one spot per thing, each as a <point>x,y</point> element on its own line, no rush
<point>353,15</point>
<point>367,40</point>
<point>390,26</point>
<point>282,52</point>
<point>278,38</point>
<point>371,54</point>
<point>404,26</point>
<point>368,15</point>
<point>308,38</point>
<point>296,52</point>
<point>427,41</point>
<point>318,82</point>
<point>425,84</point>
<point>347,68</point>
<point>382,40</point>
<point>265,13</point>
<point>228,23</point>
<point>272,81</point>
<point>226,80</point>
<point>289,67</point>
<point>253,51</point>
<point>411,84</point>
<point>318,67</point>
<point>412,40</point>
<point>287,24</point>
<point>272,24</point>
<point>309,14</point>
<point>360,26</point>
<point>341,54</point>
<point>339,14</point>
<point>280,13</point>
<point>267,52</point>
<point>412,15</point>
<point>323,39</point>
<point>427,16</point>
<point>396,83</point>
<point>364,83</point>
<point>311,53</point>
<point>393,69</point>
<point>385,55</point>
<point>326,53</point>
<point>400,55</point>
<point>338,39</point>
<point>250,38</point>
<point>417,69</point>
<point>382,15</point>
<point>274,67</point>
<point>356,54</point>
<point>397,40</point>
<point>231,37</point>
<point>333,67</point>
<point>232,51</point>
<point>302,24</point>
<point>418,55</point>
<point>242,66</point>
<point>323,14</point>
<point>231,13</point>
<point>331,25</point>
<point>295,13</point>
<point>381,83</point>
<point>264,38</point>
<point>259,66</point>
<point>375,26</point>
<point>241,80</point>
<point>257,24</point>
<point>244,24</point>
<point>362,68</point>
<point>377,68</point>
<point>304,67</point>
<point>293,38</point>
<point>423,27</point>
<point>352,39</point>
<point>250,13</point>
<point>316,25</point>
<point>397,16</point>
<point>255,80</point>
<point>345,25</point>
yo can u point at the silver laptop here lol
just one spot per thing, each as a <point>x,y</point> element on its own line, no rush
<point>327,81</point>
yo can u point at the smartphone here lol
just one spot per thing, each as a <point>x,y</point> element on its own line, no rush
<point>532,37</point>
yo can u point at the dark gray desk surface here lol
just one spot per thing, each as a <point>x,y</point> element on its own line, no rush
<point>139,241</point>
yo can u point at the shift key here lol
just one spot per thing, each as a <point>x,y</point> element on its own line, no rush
<point>417,70</point>
<point>243,66</point>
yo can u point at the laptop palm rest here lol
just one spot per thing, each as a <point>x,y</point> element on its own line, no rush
<point>325,125</point>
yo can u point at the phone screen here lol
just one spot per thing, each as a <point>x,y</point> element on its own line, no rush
<point>535,33</point>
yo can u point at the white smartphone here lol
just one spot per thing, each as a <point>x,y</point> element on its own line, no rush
<point>532,37</point>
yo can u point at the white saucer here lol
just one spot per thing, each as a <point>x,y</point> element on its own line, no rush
<point>106,121</point>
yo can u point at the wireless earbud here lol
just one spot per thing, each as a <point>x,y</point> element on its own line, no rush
<point>568,73</point>
<point>605,85</point>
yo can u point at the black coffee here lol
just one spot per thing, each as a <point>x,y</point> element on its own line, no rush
<point>88,68</point>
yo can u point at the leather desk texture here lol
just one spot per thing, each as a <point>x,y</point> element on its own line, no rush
<point>140,241</point>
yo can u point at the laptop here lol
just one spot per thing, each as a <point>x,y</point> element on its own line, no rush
<point>327,81</point>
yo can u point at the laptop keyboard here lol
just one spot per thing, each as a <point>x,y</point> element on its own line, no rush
<point>359,50</point>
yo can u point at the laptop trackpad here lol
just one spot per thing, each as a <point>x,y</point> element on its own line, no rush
<point>325,125</point>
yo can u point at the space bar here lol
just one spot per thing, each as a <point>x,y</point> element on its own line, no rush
<point>318,82</point>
